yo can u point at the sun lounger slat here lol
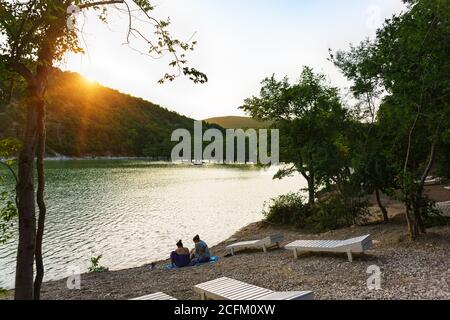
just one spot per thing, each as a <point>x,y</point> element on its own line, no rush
<point>242,244</point>
<point>156,296</point>
<point>223,283</point>
<point>219,284</point>
<point>243,295</point>
<point>251,295</point>
<point>214,281</point>
<point>233,291</point>
<point>324,244</point>
<point>230,289</point>
<point>249,290</point>
<point>294,295</point>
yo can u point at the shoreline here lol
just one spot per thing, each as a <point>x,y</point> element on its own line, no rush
<point>67,158</point>
<point>143,200</point>
<point>410,270</point>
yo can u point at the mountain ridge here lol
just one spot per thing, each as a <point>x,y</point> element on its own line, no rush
<point>87,119</point>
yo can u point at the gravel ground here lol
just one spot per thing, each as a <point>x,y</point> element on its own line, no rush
<point>418,270</point>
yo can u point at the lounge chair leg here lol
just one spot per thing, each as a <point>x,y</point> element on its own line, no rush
<point>202,296</point>
<point>264,248</point>
<point>349,255</point>
<point>295,254</point>
<point>232,251</point>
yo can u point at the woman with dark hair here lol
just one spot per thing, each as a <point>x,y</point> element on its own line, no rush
<point>180,257</point>
<point>200,254</point>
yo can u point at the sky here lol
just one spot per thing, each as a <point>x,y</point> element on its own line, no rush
<point>240,42</point>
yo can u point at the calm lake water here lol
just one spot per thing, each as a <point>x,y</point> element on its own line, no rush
<point>133,212</point>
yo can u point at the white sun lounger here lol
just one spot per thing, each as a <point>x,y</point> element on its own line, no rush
<point>230,289</point>
<point>433,181</point>
<point>156,296</point>
<point>443,207</point>
<point>263,243</point>
<point>354,245</point>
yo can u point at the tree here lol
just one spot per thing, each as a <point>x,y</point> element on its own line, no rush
<point>409,59</point>
<point>311,120</point>
<point>372,167</point>
<point>34,35</point>
<point>373,162</point>
<point>413,53</point>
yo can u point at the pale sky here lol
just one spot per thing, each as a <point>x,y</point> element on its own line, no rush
<point>239,43</point>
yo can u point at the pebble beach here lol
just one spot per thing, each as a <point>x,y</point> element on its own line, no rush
<point>409,269</point>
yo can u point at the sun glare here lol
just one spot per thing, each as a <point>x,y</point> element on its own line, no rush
<point>89,80</point>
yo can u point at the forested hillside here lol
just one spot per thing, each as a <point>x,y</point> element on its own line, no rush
<point>88,119</point>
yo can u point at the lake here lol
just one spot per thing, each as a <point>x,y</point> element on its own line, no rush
<point>132,211</point>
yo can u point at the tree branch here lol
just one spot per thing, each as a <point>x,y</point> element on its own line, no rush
<point>21,69</point>
<point>15,178</point>
<point>100,3</point>
<point>432,154</point>
<point>10,169</point>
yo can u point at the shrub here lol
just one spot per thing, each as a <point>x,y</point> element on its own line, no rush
<point>95,265</point>
<point>288,209</point>
<point>336,212</point>
<point>3,292</point>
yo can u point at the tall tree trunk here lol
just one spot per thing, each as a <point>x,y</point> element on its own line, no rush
<point>408,216</point>
<point>311,190</point>
<point>409,223</point>
<point>411,220</point>
<point>421,225</point>
<point>26,203</point>
<point>380,205</point>
<point>40,201</point>
<point>10,90</point>
<point>418,197</point>
<point>30,241</point>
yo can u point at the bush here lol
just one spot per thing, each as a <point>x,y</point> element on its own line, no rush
<point>95,265</point>
<point>336,212</point>
<point>3,292</point>
<point>288,209</point>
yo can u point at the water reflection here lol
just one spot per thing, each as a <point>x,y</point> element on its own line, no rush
<point>133,212</point>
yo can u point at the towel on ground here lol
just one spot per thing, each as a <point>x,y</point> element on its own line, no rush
<point>213,259</point>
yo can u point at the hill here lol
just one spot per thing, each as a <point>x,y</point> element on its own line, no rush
<point>236,122</point>
<point>88,119</point>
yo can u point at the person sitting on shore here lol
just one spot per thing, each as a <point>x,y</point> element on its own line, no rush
<point>200,254</point>
<point>180,257</point>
